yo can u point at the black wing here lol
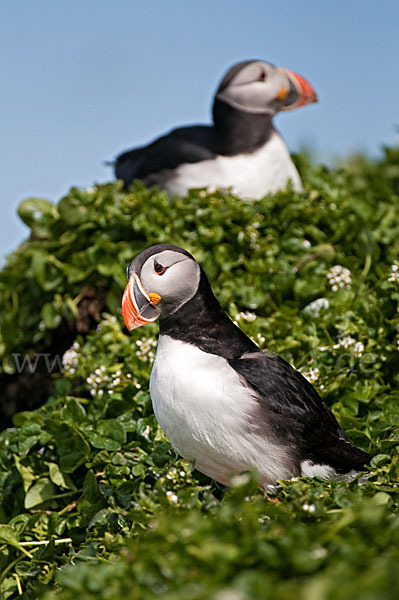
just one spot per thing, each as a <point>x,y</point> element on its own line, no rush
<point>183,145</point>
<point>290,407</point>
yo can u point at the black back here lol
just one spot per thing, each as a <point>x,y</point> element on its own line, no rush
<point>183,145</point>
<point>290,403</point>
<point>234,132</point>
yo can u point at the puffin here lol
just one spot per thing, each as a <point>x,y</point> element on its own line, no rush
<point>241,151</point>
<point>221,401</point>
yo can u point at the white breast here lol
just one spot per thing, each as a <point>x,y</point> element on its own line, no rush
<point>248,175</point>
<point>203,409</point>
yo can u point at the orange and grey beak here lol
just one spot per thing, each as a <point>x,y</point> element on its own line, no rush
<point>300,91</point>
<point>138,307</point>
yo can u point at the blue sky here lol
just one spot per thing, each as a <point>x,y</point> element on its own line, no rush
<point>83,80</point>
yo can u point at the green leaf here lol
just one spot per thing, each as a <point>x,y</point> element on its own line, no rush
<point>38,266</point>
<point>109,435</point>
<point>60,478</point>
<point>138,470</point>
<point>73,411</point>
<point>8,535</point>
<point>27,473</point>
<point>90,488</point>
<point>72,448</point>
<point>72,211</point>
<point>40,492</point>
<point>380,459</point>
<point>100,518</point>
<point>31,209</point>
<point>50,315</point>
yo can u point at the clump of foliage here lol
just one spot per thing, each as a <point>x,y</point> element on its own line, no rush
<point>94,501</point>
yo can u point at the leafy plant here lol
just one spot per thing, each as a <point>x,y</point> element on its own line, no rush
<point>94,501</point>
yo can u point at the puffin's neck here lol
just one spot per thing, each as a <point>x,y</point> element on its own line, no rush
<point>203,323</point>
<point>240,132</point>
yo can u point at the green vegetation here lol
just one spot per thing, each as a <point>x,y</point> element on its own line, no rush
<point>94,502</point>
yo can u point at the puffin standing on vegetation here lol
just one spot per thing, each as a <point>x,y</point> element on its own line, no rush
<point>242,150</point>
<point>220,400</point>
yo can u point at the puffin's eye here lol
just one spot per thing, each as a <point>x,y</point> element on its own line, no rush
<point>158,268</point>
<point>262,76</point>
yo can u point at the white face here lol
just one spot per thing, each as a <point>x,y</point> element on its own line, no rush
<point>158,287</point>
<point>173,276</point>
<point>258,87</point>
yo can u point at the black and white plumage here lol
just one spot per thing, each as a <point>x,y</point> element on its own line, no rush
<point>220,400</point>
<point>241,150</point>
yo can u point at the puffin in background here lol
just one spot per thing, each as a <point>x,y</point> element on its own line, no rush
<point>220,400</point>
<point>242,150</point>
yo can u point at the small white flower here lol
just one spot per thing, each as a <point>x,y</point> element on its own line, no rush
<point>312,375</point>
<point>358,349</point>
<point>229,594</point>
<point>259,339</point>
<point>102,382</point>
<point>316,306</point>
<point>307,244</point>
<point>346,342</point>
<point>182,473</point>
<point>70,359</point>
<point>319,552</point>
<point>146,432</point>
<point>245,316</point>
<point>146,348</point>
<point>394,276</point>
<point>172,497</point>
<point>339,277</point>
<point>309,507</point>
